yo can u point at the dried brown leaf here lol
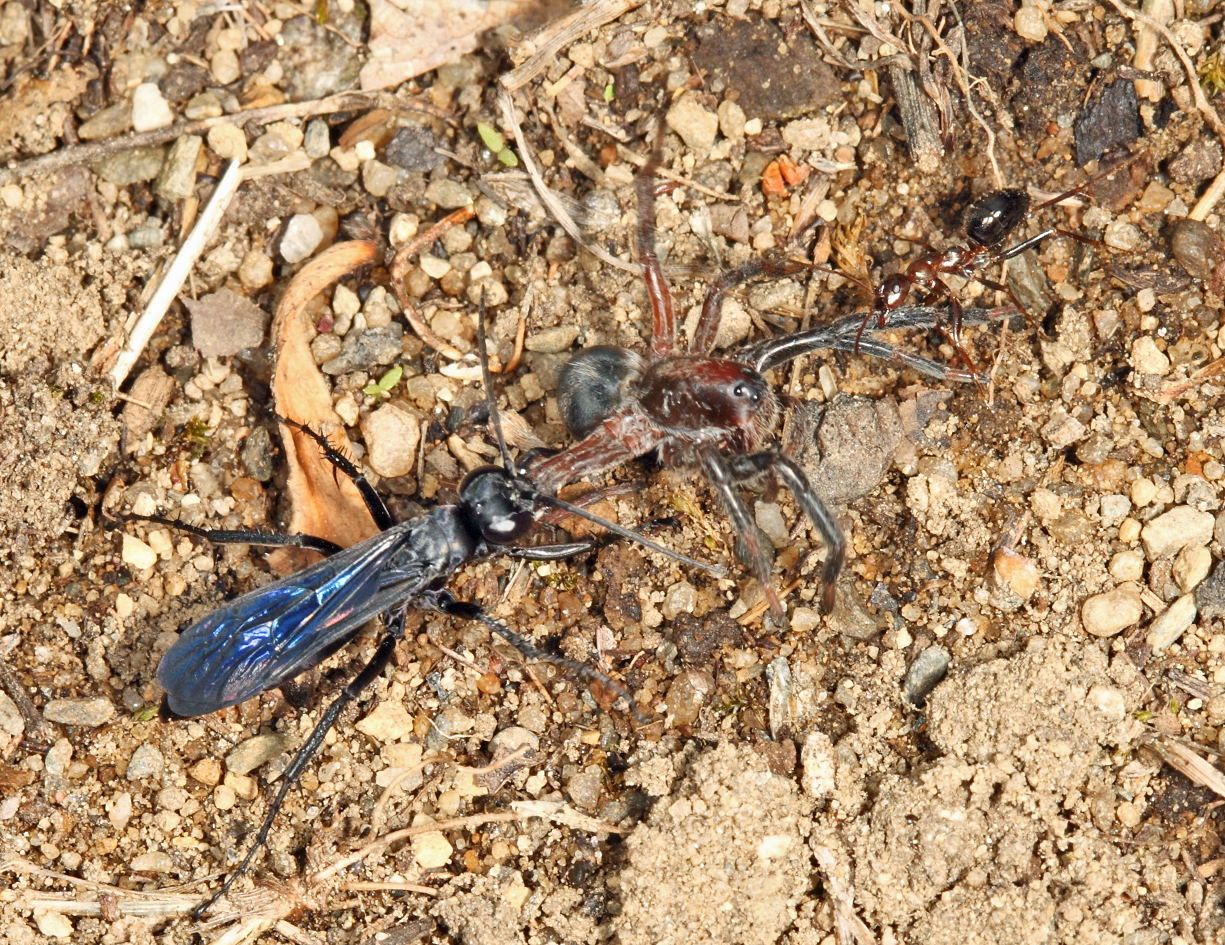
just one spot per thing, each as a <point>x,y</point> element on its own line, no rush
<point>146,402</point>
<point>326,504</point>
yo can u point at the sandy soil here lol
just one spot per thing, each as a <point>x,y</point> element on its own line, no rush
<point>1028,799</point>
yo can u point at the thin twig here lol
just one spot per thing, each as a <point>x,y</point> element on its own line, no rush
<point>548,198</point>
<point>390,887</point>
<point>546,43</point>
<point>638,161</point>
<point>176,275</point>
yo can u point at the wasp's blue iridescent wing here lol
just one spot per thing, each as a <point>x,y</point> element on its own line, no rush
<point>272,634</point>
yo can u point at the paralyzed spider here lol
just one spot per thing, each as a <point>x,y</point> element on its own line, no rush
<point>716,414</point>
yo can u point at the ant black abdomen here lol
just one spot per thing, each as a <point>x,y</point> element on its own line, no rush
<point>990,219</point>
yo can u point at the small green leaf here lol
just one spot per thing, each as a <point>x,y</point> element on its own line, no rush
<point>493,140</point>
<point>608,92</point>
<point>372,389</point>
<point>145,713</point>
<point>391,378</point>
<point>507,157</point>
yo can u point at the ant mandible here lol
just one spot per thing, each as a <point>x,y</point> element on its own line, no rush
<point>988,222</point>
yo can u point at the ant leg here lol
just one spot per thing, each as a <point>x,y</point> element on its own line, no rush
<point>382,655</point>
<point>444,602</point>
<point>953,332</point>
<point>1001,287</point>
<point>663,329</point>
<point>723,481</point>
<point>234,537</point>
<point>793,477</point>
<point>378,510</point>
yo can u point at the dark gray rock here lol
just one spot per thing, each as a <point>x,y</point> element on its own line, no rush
<point>845,447</point>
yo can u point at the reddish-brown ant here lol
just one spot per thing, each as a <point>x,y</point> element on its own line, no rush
<point>987,223</point>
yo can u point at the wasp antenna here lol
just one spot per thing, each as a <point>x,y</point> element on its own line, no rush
<point>494,417</point>
<point>630,534</point>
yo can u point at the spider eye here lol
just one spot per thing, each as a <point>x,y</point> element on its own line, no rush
<point>741,391</point>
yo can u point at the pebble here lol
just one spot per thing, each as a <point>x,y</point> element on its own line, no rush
<point>1063,430</point>
<point>493,290</point>
<point>1127,566</point>
<point>1129,814</point>
<point>490,212</point>
<point>56,761</point>
<point>1191,567</point>
<point>225,66</point>
<point>364,349</point>
<point>378,178</point>
<point>1199,161</point>
<point>12,195</point>
<point>302,236</point>
<point>137,554</point>
<point>818,765</point>
<point>448,194</point>
<point>413,149</point>
<point>11,722</point>
<point>811,134</point>
<point>924,673</point>
<point>146,237</point>
<point>805,619</point>
<point>205,105</point>
<point>1114,508</point>
<point>392,434</point>
<point>224,797</point>
<point>1016,572</point>
<point>1214,710</point>
<point>224,323</point>
<point>107,123</point>
<point>121,811</point>
<point>1196,247</point>
<point>770,520</point>
<point>584,788</point>
<point>403,228</point>
<point>345,301</point>
<point>696,124</point>
<point>206,771</point>
<point>685,696</point>
<point>172,798</point>
<point>731,120</point>
<point>248,755</point>
<point>1122,235</point>
<point>1143,491</point>
<point>680,598</point>
<point>1030,23</point>
<point>317,141</point>
<point>87,712</point>
<point>155,861</point>
<point>431,850</point>
<point>1104,615</point>
<point>255,270</point>
<point>552,340</point>
<point>434,266</point>
<point>228,142</point>
<point>782,685</point>
<point>177,179</point>
<point>52,924</point>
<point>146,762</point>
<point>1171,623</point>
<point>150,110</point>
<point>130,167</point>
<point>1109,701</point>
<point>326,347</point>
<point>1147,358</point>
<point>377,309</point>
<point>1169,533</point>
<point>389,722</point>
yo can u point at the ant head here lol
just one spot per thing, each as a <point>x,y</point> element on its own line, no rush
<point>991,218</point>
<point>892,292</point>
<point>503,507</point>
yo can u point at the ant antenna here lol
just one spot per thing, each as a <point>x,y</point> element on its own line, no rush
<point>619,530</point>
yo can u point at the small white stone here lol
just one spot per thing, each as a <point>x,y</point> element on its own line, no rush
<point>228,142</point>
<point>12,195</point>
<point>433,266</point>
<point>388,722</point>
<point>752,126</point>
<point>1127,566</point>
<point>431,850</point>
<point>1169,533</point>
<point>345,160</point>
<point>53,924</point>
<point>345,301</point>
<point>225,67</point>
<point>1104,615</point>
<point>124,605</point>
<point>149,108</point>
<point>404,227</point>
<point>696,124</point>
<point>303,234</point>
<point>391,433</point>
<point>1030,24</point>
<point>1172,623</point>
<point>364,150</point>
<point>1147,358</point>
<point>137,554</point>
<point>1191,567</point>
